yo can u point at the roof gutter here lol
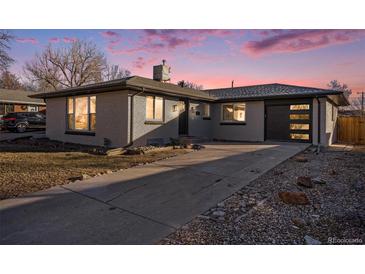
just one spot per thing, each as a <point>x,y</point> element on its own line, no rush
<point>319,125</point>
<point>22,102</point>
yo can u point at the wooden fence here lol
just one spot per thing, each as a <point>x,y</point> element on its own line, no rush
<point>351,130</point>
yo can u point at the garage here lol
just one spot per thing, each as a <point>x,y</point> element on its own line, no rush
<point>288,120</point>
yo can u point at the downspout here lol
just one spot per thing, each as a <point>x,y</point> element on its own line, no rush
<point>319,126</point>
<point>130,143</point>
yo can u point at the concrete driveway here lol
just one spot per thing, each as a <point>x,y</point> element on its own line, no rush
<point>140,205</point>
<point>7,135</point>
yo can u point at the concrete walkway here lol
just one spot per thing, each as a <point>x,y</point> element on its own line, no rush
<point>140,205</point>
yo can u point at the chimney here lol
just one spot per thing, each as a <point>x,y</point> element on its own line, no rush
<point>232,83</point>
<point>161,73</point>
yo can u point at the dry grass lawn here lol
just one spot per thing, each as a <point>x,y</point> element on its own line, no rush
<point>27,169</point>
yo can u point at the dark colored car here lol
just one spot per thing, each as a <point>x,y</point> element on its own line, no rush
<point>21,121</point>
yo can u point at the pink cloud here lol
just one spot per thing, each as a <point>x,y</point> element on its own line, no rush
<point>109,34</point>
<point>54,40</point>
<point>30,40</point>
<point>69,39</point>
<point>300,40</point>
<point>154,41</point>
<point>142,62</point>
<point>139,63</point>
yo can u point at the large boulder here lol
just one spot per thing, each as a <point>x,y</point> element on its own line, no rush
<point>294,198</point>
<point>305,181</point>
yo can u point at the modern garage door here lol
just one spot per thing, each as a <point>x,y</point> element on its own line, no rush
<point>288,120</point>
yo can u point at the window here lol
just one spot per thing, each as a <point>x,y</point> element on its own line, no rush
<point>154,108</point>
<point>299,136</point>
<point>32,108</point>
<point>299,126</point>
<point>9,108</point>
<point>81,113</point>
<point>234,112</point>
<point>299,116</point>
<point>206,111</point>
<point>299,107</point>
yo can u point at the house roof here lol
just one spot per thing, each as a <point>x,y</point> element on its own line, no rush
<point>272,91</point>
<point>129,83</point>
<point>19,97</point>
<point>256,92</point>
<point>268,90</point>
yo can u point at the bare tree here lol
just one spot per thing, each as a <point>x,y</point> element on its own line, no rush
<point>76,65</point>
<point>5,59</point>
<point>336,85</point>
<point>112,72</point>
<point>187,84</point>
<point>9,80</point>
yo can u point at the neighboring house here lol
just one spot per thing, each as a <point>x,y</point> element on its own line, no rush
<point>18,101</point>
<point>140,111</point>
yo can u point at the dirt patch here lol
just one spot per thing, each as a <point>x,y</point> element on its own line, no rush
<point>30,165</point>
<point>257,215</point>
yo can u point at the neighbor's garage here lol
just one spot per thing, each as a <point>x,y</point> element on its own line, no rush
<point>288,120</point>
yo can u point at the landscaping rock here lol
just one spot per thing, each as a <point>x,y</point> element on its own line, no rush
<point>333,172</point>
<point>311,241</point>
<point>197,147</point>
<point>317,206</point>
<point>109,171</point>
<point>359,185</point>
<point>305,181</point>
<point>251,202</point>
<point>243,204</point>
<point>299,222</point>
<point>318,181</point>
<point>221,204</point>
<point>294,198</point>
<point>85,176</point>
<point>219,213</point>
<point>76,178</point>
<point>115,152</point>
<point>301,159</point>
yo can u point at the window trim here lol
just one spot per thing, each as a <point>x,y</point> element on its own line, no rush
<point>154,120</point>
<point>232,122</point>
<point>73,130</point>
<point>206,117</point>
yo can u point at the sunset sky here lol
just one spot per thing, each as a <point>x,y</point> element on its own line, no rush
<point>213,58</point>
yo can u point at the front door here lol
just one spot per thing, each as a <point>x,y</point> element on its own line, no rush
<point>277,123</point>
<point>183,108</point>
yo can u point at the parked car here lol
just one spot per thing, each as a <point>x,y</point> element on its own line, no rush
<point>21,121</point>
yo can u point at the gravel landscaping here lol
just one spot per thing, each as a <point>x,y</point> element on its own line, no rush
<point>29,165</point>
<point>309,199</point>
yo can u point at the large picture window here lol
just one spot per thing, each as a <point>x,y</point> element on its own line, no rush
<point>154,108</point>
<point>235,112</point>
<point>81,113</point>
